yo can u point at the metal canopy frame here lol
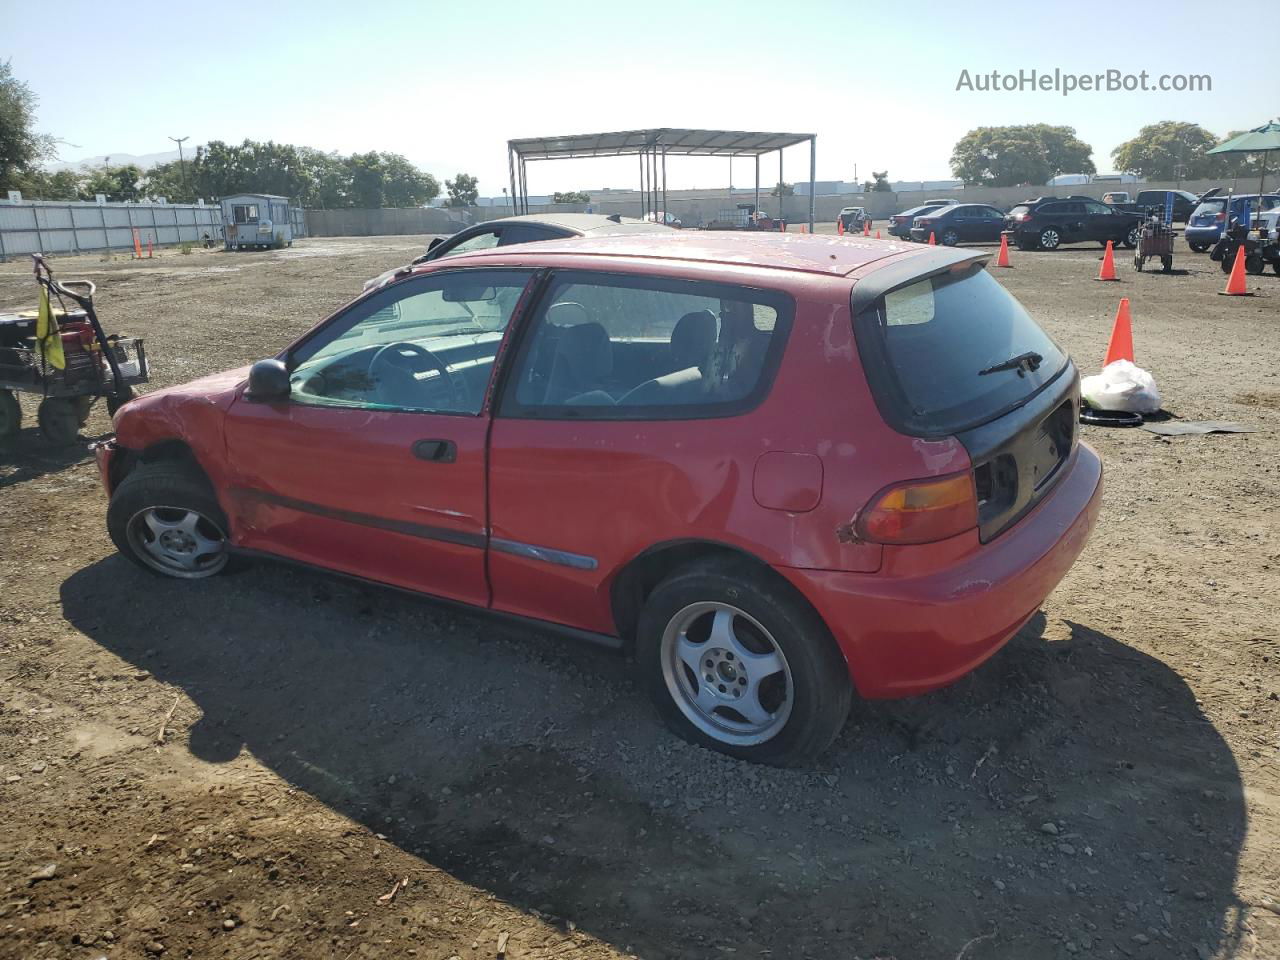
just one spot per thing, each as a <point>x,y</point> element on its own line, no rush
<point>652,147</point>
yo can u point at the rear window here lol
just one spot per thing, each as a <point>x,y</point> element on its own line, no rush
<point>1019,210</point>
<point>925,345</point>
<point>1210,206</point>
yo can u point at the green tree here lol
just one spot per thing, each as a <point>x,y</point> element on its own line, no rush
<point>881,184</point>
<point>781,189</point>
<point>1012,155</point>
<point>463,190</point>
<point>1169,150</point>
<point>404,185</point>
<point>167,180</point>
<point>120,184</point>
<point>39,184</point>
<point>573,196</point>
<point>21,148</point>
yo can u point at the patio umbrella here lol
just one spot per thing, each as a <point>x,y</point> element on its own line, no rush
<point>1261,140</point>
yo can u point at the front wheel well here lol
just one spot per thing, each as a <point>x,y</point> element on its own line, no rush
<point>637,580</point>
<point>164,451</point>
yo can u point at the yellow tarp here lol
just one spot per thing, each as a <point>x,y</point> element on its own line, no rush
<point>47,336</point>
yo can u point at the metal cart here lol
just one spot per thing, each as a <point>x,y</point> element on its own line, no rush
<point>1155,239</point>
<point>96,365</point>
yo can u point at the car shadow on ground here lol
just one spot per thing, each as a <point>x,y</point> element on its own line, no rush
<point>1068,796</point>
<point>32,456</point>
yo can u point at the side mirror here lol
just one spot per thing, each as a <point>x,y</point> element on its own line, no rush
<point>268,381</point>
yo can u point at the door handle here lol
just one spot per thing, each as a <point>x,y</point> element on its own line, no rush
<point>436,451</point>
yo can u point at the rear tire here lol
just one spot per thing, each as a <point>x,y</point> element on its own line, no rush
<point>1197,247</point>
<point>950,238</point>
<point>1131,238</point>
<point>116,401</point>
<point>737,662</point>
<point>1254,264</point>
<point>165,518</point>
<point>10,415</point>
<point>1050,239</point>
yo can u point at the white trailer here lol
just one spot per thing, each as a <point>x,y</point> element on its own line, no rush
<point>256,221</point>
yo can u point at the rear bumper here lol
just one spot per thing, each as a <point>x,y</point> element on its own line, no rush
<point>904,635</point>
<point>1202,234</point>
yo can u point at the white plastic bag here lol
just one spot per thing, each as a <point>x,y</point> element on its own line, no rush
<point>1121,386</point>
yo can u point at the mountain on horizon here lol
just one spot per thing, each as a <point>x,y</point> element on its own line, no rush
<point>144,160</point>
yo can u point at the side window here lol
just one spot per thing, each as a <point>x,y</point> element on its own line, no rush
<point>425,344</point>
<point>481,241</point>
<point>524,233</point>
<point>1097,208</point>
<point>1054,209</point>
<point>605,346</point>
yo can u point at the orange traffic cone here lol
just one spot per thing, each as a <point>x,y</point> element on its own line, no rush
<point>1108,269</point>
<point>839,227</point>
<point>866,228</point>
<point>877,234</point>
<point>1121,345</point>
<point>1235,283</point>
<point>1002,258</point>
<point>932,240</point>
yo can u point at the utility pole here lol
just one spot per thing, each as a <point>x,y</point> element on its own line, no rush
<point>182,162</point>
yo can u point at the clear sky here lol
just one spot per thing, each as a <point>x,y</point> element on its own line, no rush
<point>446,84</point>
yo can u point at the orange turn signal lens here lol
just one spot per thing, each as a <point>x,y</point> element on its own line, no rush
<point>920,511</point>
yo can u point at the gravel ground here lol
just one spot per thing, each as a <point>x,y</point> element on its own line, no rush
<point>281,764</point>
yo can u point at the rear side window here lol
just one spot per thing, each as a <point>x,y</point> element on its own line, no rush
<point>925,347</point>
<point>613,347</point>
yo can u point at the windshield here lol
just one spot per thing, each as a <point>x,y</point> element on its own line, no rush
<point>938,340</point>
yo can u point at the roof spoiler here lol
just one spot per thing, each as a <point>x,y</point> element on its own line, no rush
<point>911,269</point>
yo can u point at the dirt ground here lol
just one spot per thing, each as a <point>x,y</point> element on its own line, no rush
<point>279,764</point>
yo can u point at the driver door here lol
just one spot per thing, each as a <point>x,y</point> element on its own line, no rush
<point>375,464</point>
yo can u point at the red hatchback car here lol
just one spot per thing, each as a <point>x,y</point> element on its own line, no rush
<point>778,468</point>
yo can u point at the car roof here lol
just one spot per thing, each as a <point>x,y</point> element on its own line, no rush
<point>809,253</point>
<point>583,223</point>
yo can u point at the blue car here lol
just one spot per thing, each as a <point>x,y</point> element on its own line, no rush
<point>1204,227</point>
<point>900,224</point>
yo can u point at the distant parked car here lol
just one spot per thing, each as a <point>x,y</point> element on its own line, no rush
<point>1204,228</point>
<point>854,217</point>
<point>524,229</point>
<point>960,223</point>
<point>1047,223</point>
<point>900,224</point>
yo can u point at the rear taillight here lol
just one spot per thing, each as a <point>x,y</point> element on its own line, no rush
<point>1021,216</point>
<point>1220,217</point>
<point>923,222</point>
<point>920,511</point>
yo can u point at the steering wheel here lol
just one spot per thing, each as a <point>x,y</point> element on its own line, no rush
<point>398,358</point>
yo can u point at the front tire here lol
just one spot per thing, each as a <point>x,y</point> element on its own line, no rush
<point>1131,238</point>
<point>738,662</point>
<point>165,518</point>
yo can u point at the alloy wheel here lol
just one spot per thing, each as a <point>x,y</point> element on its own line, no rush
<point>178,541</point>
<point>727,674</point>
